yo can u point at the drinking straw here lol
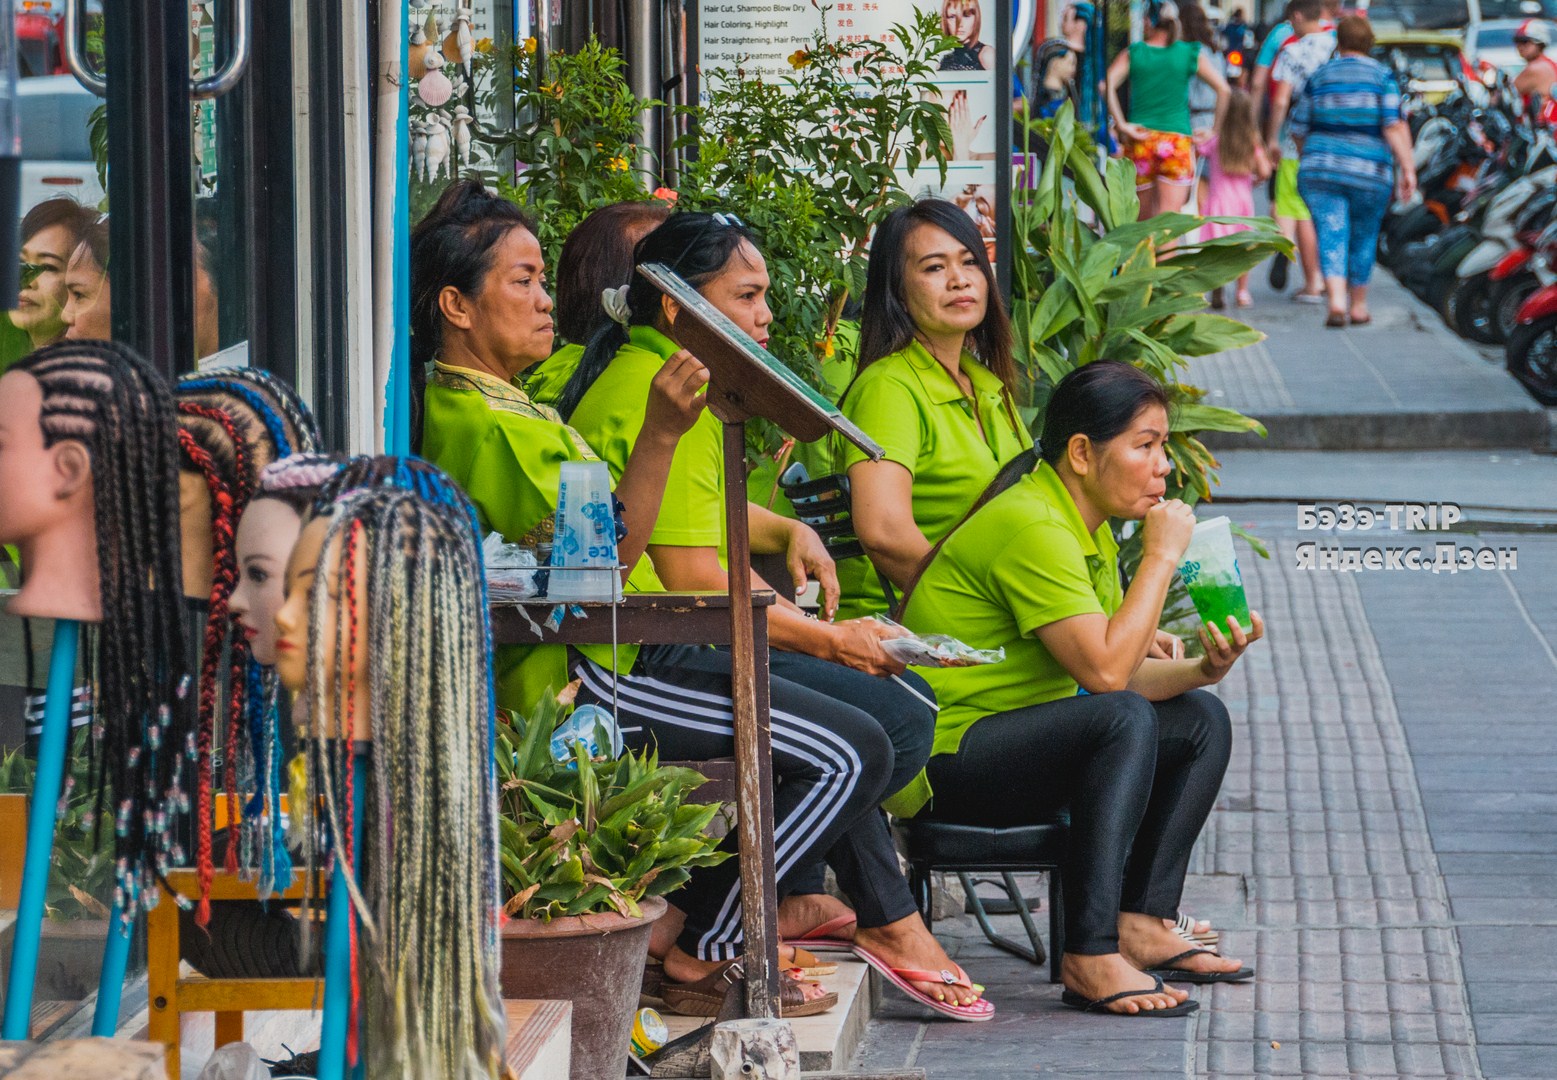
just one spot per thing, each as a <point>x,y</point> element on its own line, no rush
<point>916,693</point>
<point>50,775</point>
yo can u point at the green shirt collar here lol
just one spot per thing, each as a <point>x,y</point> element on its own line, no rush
<point>939,387</point>
<point>651,340</point>
<point>498,392</point>
<point>1057,495</point>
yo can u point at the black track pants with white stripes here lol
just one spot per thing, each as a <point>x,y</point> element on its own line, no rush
<point>831,765</point>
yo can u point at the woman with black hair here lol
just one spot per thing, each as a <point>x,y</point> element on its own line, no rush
<point>934,386</point>
<point>844,662</point>
<point>597,256</point>
<point>481,314</point>
<point>1137,759</point>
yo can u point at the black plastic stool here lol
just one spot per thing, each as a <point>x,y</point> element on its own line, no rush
<point>969,849</point>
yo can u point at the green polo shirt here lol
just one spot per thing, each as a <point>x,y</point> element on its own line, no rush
<point>610,416</point>
<point>507,453</point>
<point>1023,561</point>
<point>545,382</point>
<point>952,444</point>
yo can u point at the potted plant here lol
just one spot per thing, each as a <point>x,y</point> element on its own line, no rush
<point>588,848</point>
<point>80,878</point>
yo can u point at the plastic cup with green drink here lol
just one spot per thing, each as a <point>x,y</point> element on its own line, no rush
<point>1210,572</point>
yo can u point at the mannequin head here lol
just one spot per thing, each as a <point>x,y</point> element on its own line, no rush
<point>88,464</point>
<point>229,428</point>
<point>267,533</point>
<point>384,634</point>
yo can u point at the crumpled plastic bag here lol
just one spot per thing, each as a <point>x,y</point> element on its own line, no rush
<point>235,1061</point>
<point>934,650</point>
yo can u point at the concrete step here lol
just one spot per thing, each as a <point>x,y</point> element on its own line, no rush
<point>827,1042</point>
<point>540,1038</point>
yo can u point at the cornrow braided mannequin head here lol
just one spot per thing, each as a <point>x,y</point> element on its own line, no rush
<point>286,417</point>
<point>102,399</point>
<point>385,631</point>
<point>228,433</point>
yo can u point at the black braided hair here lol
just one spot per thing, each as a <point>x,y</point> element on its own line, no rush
<point>105,396</point>
<point>286,416</point>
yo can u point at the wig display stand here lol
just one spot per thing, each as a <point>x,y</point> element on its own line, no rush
<point>746,381</point>
<point>110,984</point>
<point>47,781</point>
<point>338,925</point>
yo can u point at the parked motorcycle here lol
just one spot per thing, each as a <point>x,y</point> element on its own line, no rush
<point>1532,347</point>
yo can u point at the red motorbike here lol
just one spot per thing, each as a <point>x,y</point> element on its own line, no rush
<point>1532,347</point>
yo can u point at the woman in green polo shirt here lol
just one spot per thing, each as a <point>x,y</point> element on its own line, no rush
<point>596,256</point>
<point>480,316</point>
<point>844,662</point>
<point>933,387</point>
<point>1138,759</point>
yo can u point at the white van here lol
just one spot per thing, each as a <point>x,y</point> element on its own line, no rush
<point>56,118</point>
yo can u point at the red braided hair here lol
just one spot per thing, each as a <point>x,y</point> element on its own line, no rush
<point>347,737</point>
<point>226,504</point>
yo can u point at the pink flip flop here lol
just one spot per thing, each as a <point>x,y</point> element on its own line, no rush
<point>979,1011</point>
<point>821,937</point>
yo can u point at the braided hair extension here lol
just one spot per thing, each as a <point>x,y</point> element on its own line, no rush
<point>228,432</point>
<point>294,481</point>
<point>428,899</point>
<point>107,397</point>
<point>286,416</point>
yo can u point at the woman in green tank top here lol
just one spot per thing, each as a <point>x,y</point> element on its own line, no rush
<point>1156,133</point>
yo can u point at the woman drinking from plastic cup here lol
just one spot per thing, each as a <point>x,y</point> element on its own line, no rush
<point>1139,758</point>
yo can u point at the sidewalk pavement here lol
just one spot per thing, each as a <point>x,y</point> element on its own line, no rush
<point>1384,849</point>
<point>1380,851</point>
<point>1405,382</point>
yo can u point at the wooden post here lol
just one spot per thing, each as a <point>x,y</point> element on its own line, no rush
<point>753,746</point>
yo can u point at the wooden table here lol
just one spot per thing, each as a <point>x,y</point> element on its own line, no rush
<point>699,619</point>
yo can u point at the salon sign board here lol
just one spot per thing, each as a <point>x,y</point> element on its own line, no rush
<point>974,80</point>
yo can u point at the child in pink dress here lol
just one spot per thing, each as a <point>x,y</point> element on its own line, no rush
<point>1235,162</point>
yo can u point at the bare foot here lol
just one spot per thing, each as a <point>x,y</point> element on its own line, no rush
<point>1098,977</point>
<point>683,967</point>
<point>908,943</point>
<point>800,913</point>
<point>1147,943</point>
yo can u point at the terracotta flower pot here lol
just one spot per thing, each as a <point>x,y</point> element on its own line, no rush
<point>594,961</point>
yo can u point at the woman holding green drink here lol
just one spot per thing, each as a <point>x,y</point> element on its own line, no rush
<point>1138,759</point>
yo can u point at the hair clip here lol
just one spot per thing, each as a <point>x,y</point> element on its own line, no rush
<point>615,303</point>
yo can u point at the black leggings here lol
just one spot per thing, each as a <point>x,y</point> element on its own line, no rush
<point>832,763</point>
<point>1138,777</point>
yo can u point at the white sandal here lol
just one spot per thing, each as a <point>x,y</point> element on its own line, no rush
<point>1185,927</point>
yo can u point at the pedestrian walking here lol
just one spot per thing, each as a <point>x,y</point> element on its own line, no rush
<point>1356,151</point>
<point>1157,130</point>
<point>1235,162</point>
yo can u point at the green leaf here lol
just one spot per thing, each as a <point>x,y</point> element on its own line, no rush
<point>1213,418</point>
<point>1201,335</point>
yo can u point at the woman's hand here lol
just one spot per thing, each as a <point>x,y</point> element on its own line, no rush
<point>1165,646</point>
<point>1221,653</point>
<point>676,397</point>
<point>806,556</point>
<point>1166,530</point>
<point>857,644</point>
<point>964,129</point>
<point>1134,133</point>
<point>1201,137</point>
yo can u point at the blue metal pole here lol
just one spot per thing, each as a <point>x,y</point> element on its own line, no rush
<point>110,984</point>
<point>337,945</point>
<point>397,393</point>
<point>50,775</point>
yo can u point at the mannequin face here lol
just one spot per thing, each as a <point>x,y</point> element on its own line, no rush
<point>38,481</point>
<point>194,522</point>
<point>309,559</point>
<point>267,533</point>
<point>47,509</point>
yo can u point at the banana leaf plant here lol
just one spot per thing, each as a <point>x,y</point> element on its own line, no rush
<point>595,834</point>
<point>1092,281</point>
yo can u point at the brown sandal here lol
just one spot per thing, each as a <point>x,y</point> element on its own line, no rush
<point>705,996</point>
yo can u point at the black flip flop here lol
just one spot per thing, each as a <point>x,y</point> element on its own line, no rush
<point>1166,970</point>
<point>1076,1001</point>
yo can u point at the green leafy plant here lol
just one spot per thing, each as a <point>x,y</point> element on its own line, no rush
<point>577,135</point>
<point>1097,283</point>
<point>811,162</point>
<point>596,834</point>
<point>81,870</point>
